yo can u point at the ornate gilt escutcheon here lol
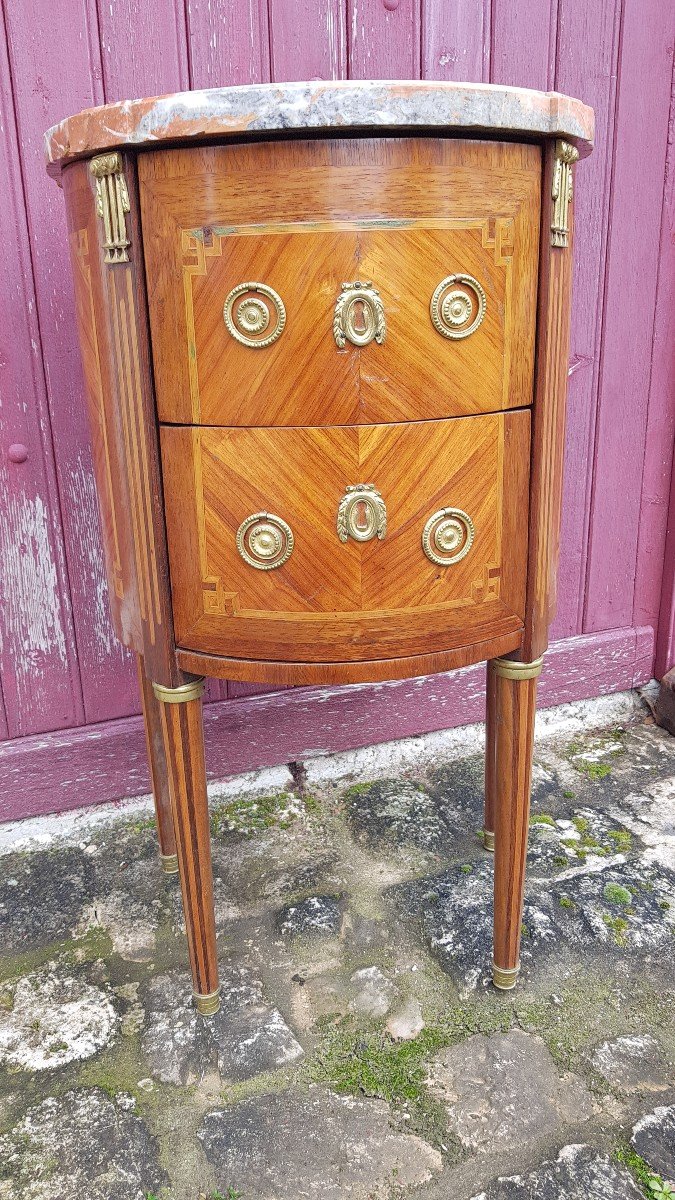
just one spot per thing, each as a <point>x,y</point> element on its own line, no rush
<point>359,315</point>
<point>112,203</point>
<point>458,306</point>
<point>448,536</point>
<point>265,541</point>
<point>254,315</point>
<point>561,191</point>
<point>362,513</point>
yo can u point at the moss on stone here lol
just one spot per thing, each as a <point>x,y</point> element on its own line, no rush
<point>615,893</point>
<point>566,902</point>
<point>248,815</point>
<point>542,819</point>
<point>618,927</point>
<point>651,1184</point>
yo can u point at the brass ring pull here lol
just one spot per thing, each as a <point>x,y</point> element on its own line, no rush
<point>250,321</point>
<point>359,315</point>
<point>265,541</point>
<point>458,306</point>
<point>448,536</point>
<point>362,513</point>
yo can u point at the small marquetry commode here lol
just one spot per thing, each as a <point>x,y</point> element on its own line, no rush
<point>325,334</point>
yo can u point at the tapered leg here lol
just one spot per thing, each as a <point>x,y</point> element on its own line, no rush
<point>183,732</point>
<point>158,773</point>
<point>515,696</point>
<point>490,757</point>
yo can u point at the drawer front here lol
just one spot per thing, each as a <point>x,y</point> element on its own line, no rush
<point>344,544</point>
<point>248,251</point>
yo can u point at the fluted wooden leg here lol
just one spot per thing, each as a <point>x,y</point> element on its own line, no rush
<point>158,774</point>
<point>490,758</point>
<point>515,696</point>
<point>183,732</point>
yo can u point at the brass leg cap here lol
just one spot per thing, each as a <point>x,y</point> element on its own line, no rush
<point>489,839</point>
<point>209,1004</point>
<point>169,863</point>
<point>505,978</point>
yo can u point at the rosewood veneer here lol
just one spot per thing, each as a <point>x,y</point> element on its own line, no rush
<point>324,330</point>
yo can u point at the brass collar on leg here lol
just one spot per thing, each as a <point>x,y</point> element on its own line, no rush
<point>179,695</point>
<point>489,839</point>
<point>169,863</point>
<point>505,978</point>
<point>207,1004</point>
<point>508,668</point>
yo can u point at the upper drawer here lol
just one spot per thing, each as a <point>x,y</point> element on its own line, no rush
<point>248,248</point>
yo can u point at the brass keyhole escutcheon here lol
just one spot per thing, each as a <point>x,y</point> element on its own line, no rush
<point>359,315</point>
<point>448,536</point>
<point>458,306</point>
<point>362,513</point>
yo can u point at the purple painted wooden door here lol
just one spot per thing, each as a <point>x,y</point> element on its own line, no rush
<point>61,668</point>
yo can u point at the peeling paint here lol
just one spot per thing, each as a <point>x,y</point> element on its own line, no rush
<point>29,589</point>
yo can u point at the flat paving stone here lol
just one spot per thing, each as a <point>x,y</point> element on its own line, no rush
<point>374,993</point>
<point>579,1173</point>
<point>317,916</point>
<point>505,1090</point>
<point>654,1138</point>
<point>306,1145</point>
<point>42,897</point>
<point>53,1018</point>
<point>245,1037</point>
<point>396,813</point>
<point>80,1146</point>
<point>580,894</point>
<point>633,1063</point>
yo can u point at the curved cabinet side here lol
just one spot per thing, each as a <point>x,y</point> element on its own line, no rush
<point>112,324</point>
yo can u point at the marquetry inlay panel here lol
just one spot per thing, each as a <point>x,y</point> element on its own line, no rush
<point>331,592</point>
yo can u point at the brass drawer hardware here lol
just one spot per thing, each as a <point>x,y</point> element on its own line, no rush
<point>112,202</point>
<point>458,306</point>
<point>265,541</point>
<point>448,536</point>
<point>251,319</point>
<point>561,191</point>
<point>359,315</point>
<point>362,513</point>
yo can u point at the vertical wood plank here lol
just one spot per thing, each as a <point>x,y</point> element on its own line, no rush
<point>456,40</point>
<point>588,48</point>
<point>43,96</point>
<point>637,188</point>
<point>143,48</point>
<point>228,43</point>
<point>521,61</point>
<point>38,661</point>
<point>308,39</point>
<point>384,39</point>
<point>655,579</point>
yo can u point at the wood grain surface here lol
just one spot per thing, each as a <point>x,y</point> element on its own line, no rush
<point>334,601</point>
<point>159,777</point>
<point>183,733</point>
<point>514,711</point>
<point>403,213</point>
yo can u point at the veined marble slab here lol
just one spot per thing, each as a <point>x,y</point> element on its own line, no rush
<point>318,106</point>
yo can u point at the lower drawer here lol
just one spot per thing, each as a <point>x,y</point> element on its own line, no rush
<point>347,544</point>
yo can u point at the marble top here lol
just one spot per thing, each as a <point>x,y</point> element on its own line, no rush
<point>318,106</point>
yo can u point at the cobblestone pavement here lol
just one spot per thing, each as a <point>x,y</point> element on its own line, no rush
<point>360,1050</point>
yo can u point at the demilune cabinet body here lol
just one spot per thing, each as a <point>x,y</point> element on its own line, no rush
<point>324,330</point>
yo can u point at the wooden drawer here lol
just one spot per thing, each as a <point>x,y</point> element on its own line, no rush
<point>303,219</point>
<point>335,600</point>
